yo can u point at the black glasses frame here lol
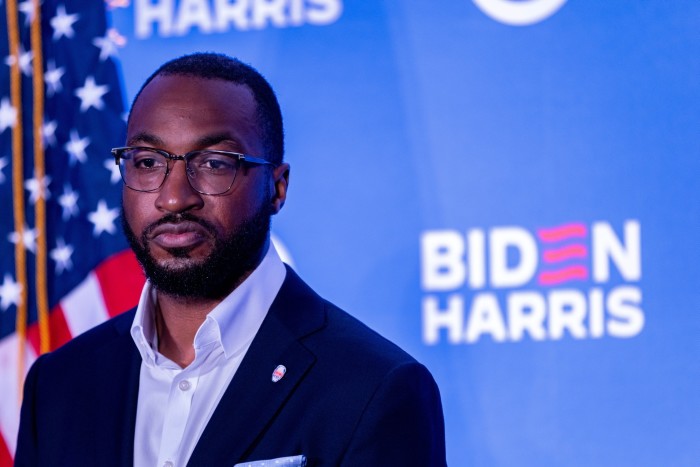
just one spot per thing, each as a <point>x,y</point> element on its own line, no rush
<point>241,158</point>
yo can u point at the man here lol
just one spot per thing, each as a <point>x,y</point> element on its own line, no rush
<point>229,357</point>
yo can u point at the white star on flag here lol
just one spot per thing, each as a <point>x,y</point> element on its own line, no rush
<point>108,48</point>
<point>91,94</point>
<point>114,174</point>
<point>48,130</point>
<point>25,60</point>
<point>3,164</point>
<point>69,202</point>
<point>10,292</point>
<point>27,7</point>
<point>38,188</point>
<point>61,256</point>
<point>53,77</point>
<point>8,115</point>
<point>27,237</point>
<point>76,148</point>
<point>103,218</point>
<point>62,23</point>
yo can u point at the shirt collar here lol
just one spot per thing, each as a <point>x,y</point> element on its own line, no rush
<point>232,324</point>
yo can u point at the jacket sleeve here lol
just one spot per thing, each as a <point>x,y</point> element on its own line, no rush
<point>27,453</point>
<point>402,423</point>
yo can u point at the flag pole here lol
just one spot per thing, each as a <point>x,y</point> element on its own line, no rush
<point>39,173</point>
<point>17,186</point>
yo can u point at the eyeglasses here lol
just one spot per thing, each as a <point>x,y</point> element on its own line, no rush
<point>210,172</point>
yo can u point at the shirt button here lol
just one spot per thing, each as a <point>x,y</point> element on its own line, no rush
<point>168,464</point>
<point>184,386</point>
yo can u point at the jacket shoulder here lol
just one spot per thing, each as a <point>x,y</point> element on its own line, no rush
<point>95,341</point>
<point>331,333</point>
<point>349,334</point>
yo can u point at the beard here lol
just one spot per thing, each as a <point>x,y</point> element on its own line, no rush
<point>231,260</point>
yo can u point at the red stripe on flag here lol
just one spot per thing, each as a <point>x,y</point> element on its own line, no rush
<point>60,334</point>
<point>121,280</point>
<point>33,337</point>
<point>5,457</point>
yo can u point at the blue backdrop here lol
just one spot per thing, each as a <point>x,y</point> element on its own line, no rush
<point>506,188</point>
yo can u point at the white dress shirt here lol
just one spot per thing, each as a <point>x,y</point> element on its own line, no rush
<point>175,404</point>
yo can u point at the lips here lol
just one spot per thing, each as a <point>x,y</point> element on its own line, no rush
<point>184,234</point>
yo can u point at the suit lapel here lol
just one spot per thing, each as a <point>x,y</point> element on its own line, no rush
<point>121,389</point>
<point>252,399</point>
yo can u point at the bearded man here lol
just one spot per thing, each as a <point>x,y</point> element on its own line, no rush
<point>229,358</point>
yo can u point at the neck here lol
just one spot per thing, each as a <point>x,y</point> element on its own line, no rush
<point>178,319</point>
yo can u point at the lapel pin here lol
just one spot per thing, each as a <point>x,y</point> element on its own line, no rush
<point>278,373</point>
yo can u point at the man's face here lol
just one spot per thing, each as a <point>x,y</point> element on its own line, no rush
<point>195,245</point>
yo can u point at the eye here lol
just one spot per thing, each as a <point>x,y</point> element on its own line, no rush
<point>145,163</point>
<point>145,160</point>
<point>214,163</point>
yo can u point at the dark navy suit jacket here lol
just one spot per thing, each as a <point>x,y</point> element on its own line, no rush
<point>349,397</point>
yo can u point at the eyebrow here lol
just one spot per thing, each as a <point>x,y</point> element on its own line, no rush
<point>203,142</point>
<point>211,140</point>
<point>147,138</point>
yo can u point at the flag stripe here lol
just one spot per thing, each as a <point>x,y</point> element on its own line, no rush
<point>5,457</point>
<point>84,306</point>
<point>11,389</point>
<point>60,334</point>
<point>121,281</point>
<point>116,295</point>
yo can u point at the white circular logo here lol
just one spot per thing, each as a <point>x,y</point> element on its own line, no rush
<point>519,13</point>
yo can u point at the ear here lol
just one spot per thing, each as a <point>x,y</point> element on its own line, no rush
<point>280,180</point>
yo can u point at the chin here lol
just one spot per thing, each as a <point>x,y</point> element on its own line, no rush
<point>178,263</point>
<point>210,269</point>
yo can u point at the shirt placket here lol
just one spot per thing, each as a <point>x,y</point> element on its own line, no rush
<point>182,390</point>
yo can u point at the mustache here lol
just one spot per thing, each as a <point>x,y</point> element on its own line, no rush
<point>176,219</point>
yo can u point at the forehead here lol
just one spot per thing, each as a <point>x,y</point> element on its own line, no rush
<point>177,109</point>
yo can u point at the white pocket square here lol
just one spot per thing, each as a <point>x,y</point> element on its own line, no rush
<point>292,461</point>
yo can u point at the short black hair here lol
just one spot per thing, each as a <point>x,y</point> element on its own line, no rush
<point>209,65</point>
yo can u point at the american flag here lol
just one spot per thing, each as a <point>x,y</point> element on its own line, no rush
<point>64,264</point>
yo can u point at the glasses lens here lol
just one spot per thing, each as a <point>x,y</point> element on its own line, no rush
<point>143,169</point>
<point>210,172</point>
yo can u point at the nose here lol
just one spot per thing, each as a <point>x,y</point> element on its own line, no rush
<point>176,194</point>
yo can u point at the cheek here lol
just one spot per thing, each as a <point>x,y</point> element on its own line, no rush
<point>135,210</point>
<point>227,215</point>
<point>224,218</point>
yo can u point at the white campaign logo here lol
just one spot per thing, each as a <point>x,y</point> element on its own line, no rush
<point>171,18</point>
<point>519,13</point>
<point>510,283</point>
